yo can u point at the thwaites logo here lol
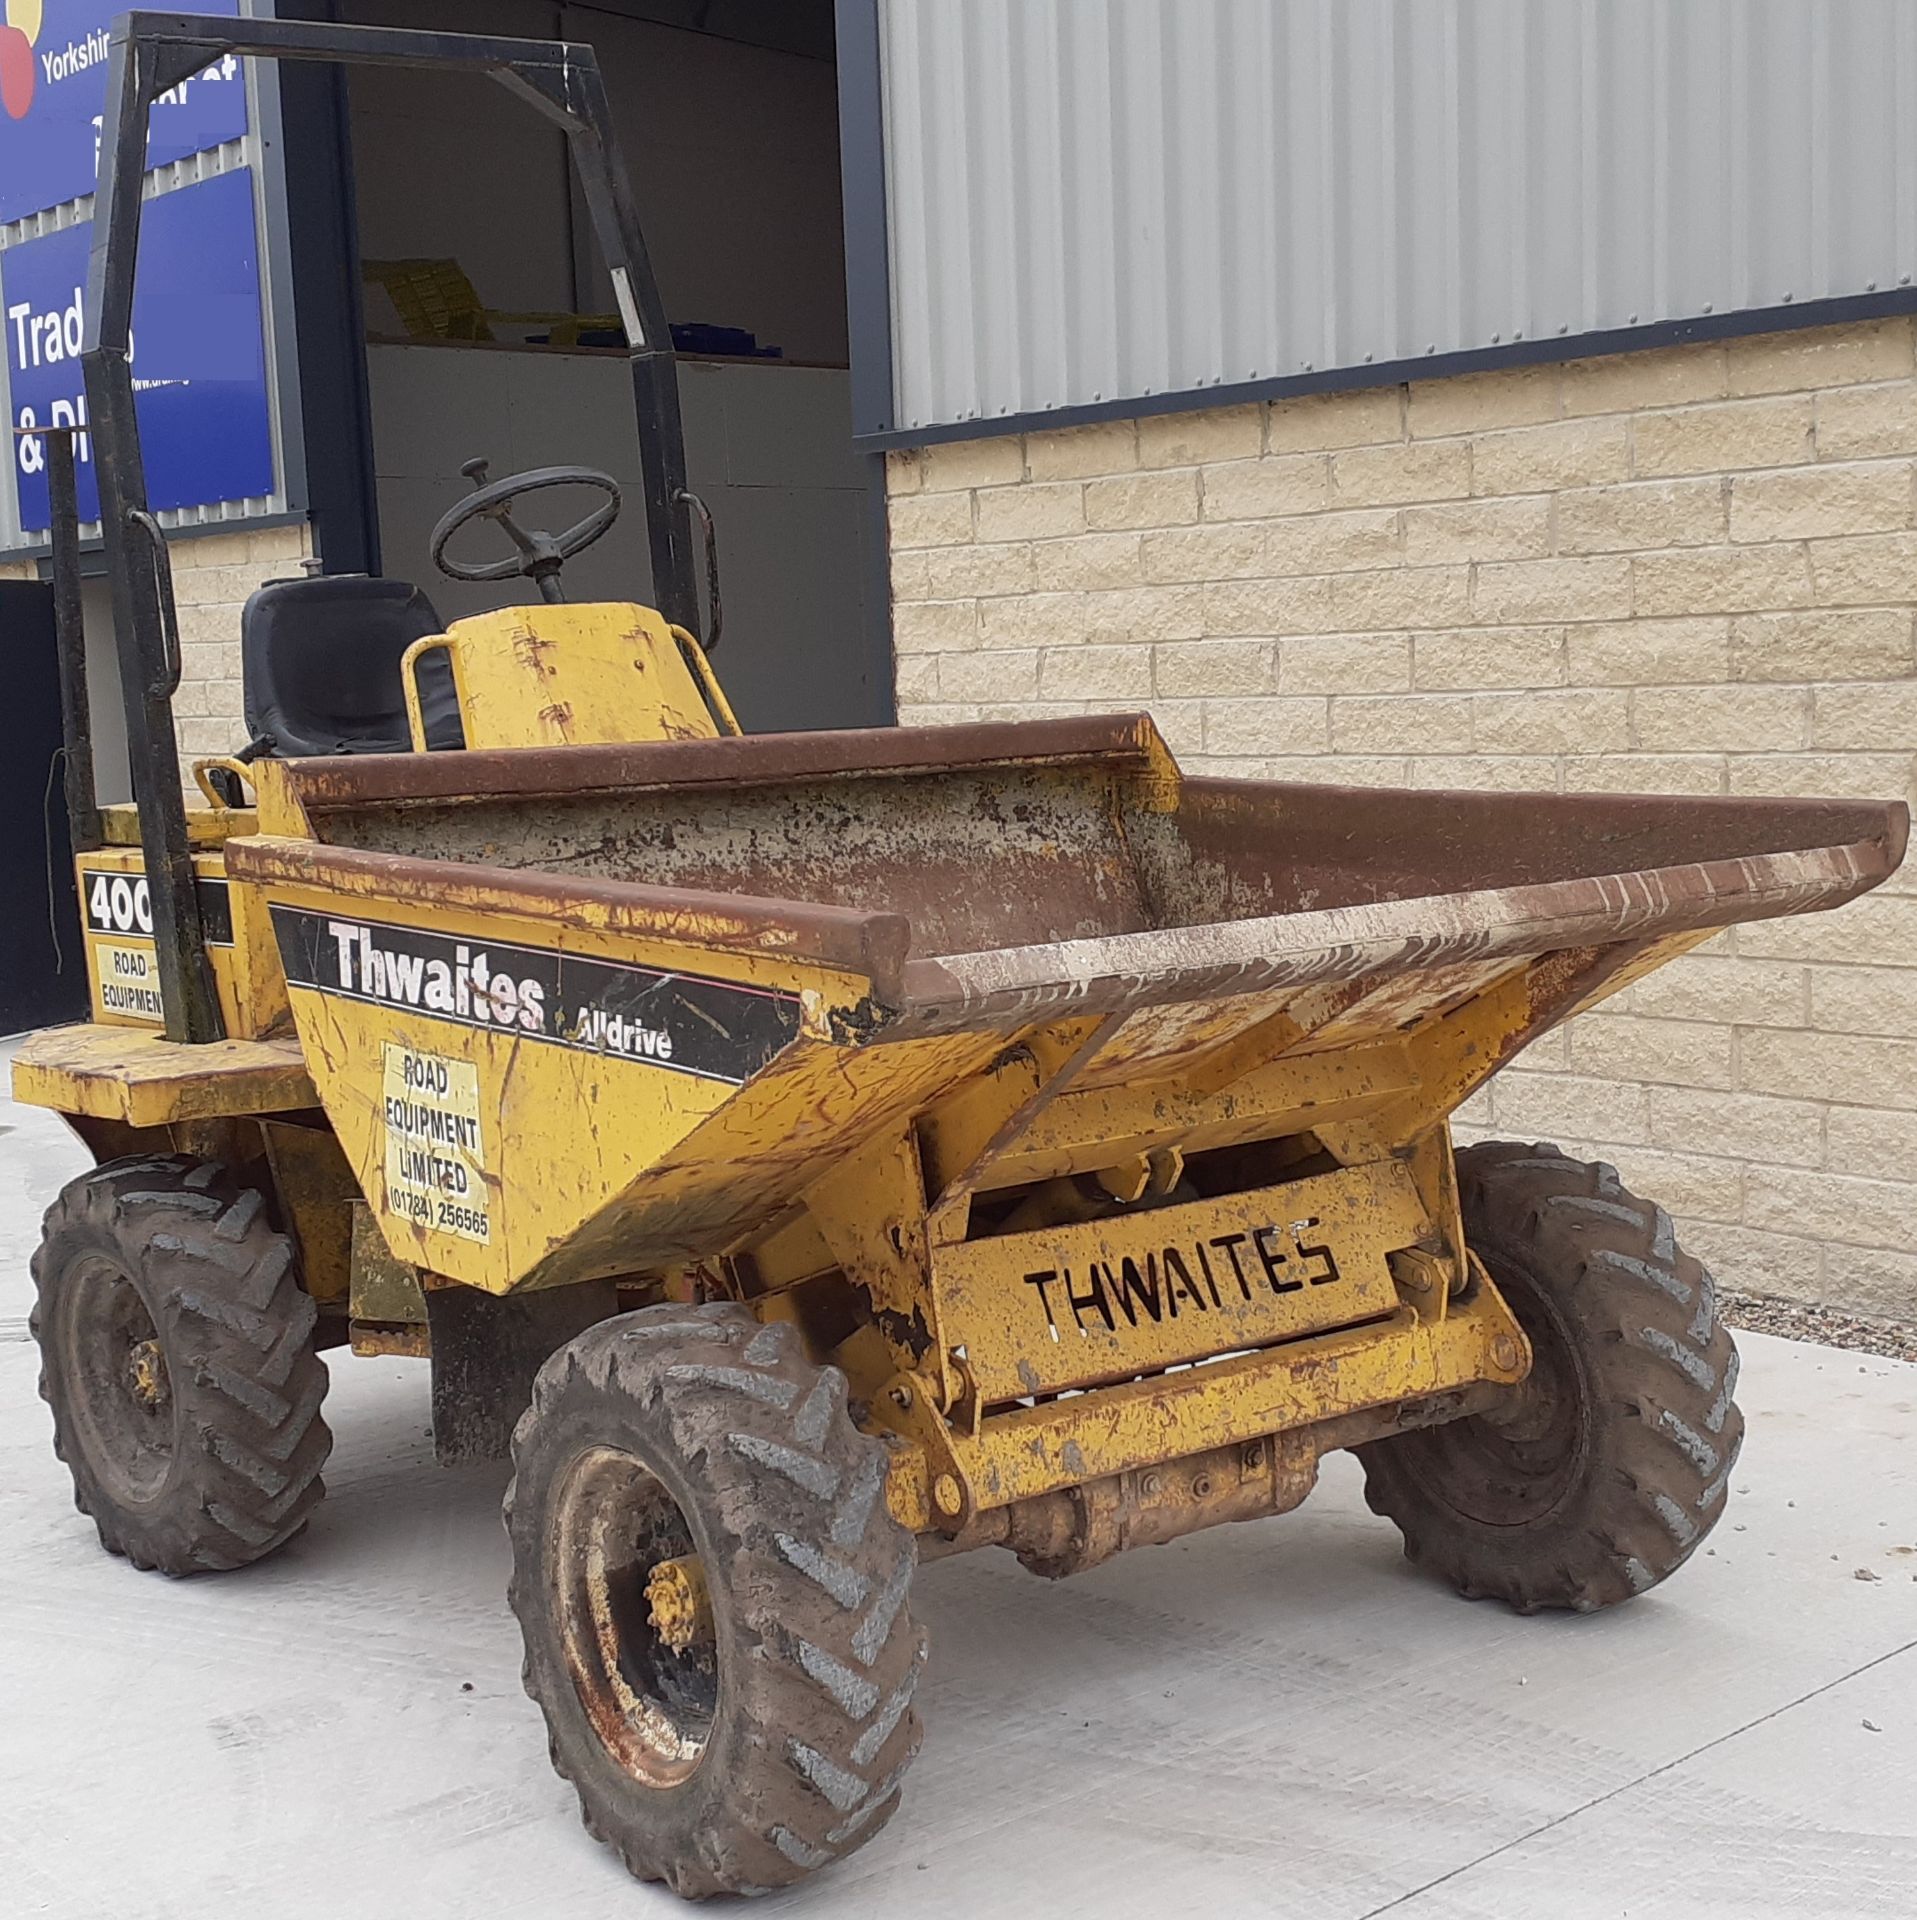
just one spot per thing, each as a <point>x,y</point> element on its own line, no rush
<point>116,902</point>
<point>1223,1273</point>
<point>711,1029</point>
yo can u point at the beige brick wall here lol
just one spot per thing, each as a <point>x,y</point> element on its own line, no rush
<point>213,574</point>
<point>1685,571</point>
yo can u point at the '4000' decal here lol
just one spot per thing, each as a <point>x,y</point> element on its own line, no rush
<point>116,901</point>
<point>712,1029</point>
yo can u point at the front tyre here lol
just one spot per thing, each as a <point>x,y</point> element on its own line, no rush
<point>1602,1473</point>
<point>712,1594</point>
<point>176,1351</point>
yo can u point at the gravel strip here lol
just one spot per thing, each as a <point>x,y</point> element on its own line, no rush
<point>1793,1320</point>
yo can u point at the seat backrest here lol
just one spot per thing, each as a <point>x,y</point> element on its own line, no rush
<point>319,660</point>
<point>578,674</point>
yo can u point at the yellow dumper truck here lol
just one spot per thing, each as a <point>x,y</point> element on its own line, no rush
<point>815,1153</point>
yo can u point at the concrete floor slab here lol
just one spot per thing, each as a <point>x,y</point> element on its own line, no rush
<point>1276,1719</point>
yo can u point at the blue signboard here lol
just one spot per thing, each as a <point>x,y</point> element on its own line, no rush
<point>53,92</point>
<point>199,352</point>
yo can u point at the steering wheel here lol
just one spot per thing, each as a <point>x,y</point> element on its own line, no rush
<point>540,555</point>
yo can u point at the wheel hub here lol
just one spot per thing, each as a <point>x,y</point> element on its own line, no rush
<point>636,1617</point>
<point>146,1375</point>
<point>681,1603</point>
<point>122,1397</point>
<point>1512,1464</point>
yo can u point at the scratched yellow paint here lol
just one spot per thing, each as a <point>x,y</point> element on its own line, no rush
<point>568,1131</point>
<point>142,1079</point>
<point>1069,1306</point>
<point>761,1152</point>
<point>1031,1451</point>
<point>579,675</point>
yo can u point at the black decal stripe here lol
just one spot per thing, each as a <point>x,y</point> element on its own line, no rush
<point>215,898</point>
<point>216,911</point>
<point>679,1022</point>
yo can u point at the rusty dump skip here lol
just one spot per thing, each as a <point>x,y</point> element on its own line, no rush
<point>994,874</point>
<point>956,889</point>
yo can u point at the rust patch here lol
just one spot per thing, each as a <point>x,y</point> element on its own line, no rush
<point>855,1025</point>
<point>345,780</point>
<point>907,1330</point>
<point>873,944</point>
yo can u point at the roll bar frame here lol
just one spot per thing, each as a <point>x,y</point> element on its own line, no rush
<point>148,54</point>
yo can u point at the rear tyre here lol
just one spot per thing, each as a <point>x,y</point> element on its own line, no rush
<point>176,1351</point>
<point>1602,1473</point>
<point>713,1599</point>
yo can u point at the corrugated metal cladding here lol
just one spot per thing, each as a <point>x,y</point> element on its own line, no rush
<point>1096,200</point>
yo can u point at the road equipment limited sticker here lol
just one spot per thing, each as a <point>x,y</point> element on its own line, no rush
<point>129,981</point>
<point>435,1153</point>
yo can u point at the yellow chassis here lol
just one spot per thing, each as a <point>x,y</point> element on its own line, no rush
<point>1412,1331</point>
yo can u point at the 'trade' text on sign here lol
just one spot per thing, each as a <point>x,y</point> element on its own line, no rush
<point>53,63</point>
<point>199,351</point>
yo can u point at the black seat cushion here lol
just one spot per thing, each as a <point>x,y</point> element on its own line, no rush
<point>320,665</point>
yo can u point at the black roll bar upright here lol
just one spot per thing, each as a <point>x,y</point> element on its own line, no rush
<point>150,53</point>
<point>70,642</point>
